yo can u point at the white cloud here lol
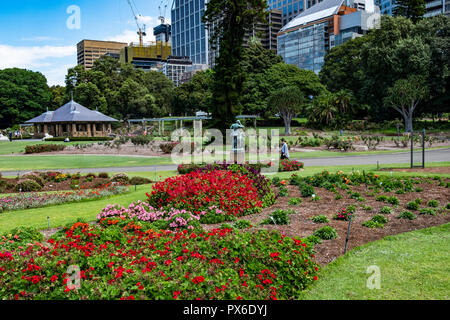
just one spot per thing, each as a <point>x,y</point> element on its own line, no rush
<point>32,57</point>
<point>45,59</point>
<point>41,39</point>
<point>129,36</point>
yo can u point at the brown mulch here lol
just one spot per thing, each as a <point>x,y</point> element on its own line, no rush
<point>329,250</point>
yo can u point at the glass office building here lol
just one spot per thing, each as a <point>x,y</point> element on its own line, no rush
<point>189,36</point>
<point>306,40</point>
<point>291,8</point>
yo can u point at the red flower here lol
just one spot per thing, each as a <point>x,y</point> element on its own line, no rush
<point>54,278</point>
<point>198,279</point>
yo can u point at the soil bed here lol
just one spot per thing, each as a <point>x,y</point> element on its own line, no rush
<point>329,250</point>
<point>445,170</point>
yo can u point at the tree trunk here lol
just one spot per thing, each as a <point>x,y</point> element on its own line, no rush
<point>287,125</point>
<point>408,123</point>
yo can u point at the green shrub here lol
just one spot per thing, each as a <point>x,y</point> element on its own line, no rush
<point>338,197</point>
<point>427,211</point>
<point>27,185</point>
<point>320,219</point>
<point>276,181</point>
<point>447,206</point>
<point>351,208</point>
<point>386,210</point>
<point>295,201</point>
<point>380,219</point>
<point>91,175</point>
<point>407,215</point>
<point>136,181</point>
<point>418,189</point>
<point>315,198</point>
<point>418,201</point>
<point>412,205</point>
<point>34,177</point>
<point>311,240</point>
<point>381,198</point>
<point>367,208</point>
<point>393,200</point>
<point>141,140</point>
<point>279,217</point>
<point>326,233</point>
<point>282,191</point>
<point>372,224</point>
<point>433,203</point>
<point>242,224</point>
<point>103,175</point>
<point>121,178</point>
<point>39,148</point>
<point>306,190</point>
<point>400,191</point>
<point>73,139</point>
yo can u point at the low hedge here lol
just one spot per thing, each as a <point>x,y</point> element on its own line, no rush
<point>39,148</point>
<point>72,139</point>
<point>28,185</point>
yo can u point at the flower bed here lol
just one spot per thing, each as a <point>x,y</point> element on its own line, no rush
<point>132,262</point>
<point>290,165</point>
<point>161,219</point>
<point>29,200</point>
<point>235,194</point>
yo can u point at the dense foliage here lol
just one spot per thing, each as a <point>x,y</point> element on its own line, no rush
<point>126,260</point>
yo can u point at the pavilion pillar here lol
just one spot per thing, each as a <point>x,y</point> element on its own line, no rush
<point>73,129</point>
<point>89,129</point>
<point>45,130</point>
<point>181,124</point>
<point>159,127</point>
<point>163,124</point>
<point>109,128</point>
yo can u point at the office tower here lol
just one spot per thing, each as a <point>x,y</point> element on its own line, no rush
<point>306,40</point>
<point>90,50</point>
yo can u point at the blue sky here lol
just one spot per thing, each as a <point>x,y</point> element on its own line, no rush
<point>34,33</point>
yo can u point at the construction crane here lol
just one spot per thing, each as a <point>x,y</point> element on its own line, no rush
<point>141,33</point>
<point>162,14</point>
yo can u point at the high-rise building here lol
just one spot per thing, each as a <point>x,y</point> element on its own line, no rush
<point>306,40</point>
<point>189,35</point>
<point>90,50</point>
<point>432,7</point>
<point>150,56</point>
<point>291,8</point>
<point>175,67</point>
<point>266,32</point>
<point>436,7</point>
<point>163,33</point>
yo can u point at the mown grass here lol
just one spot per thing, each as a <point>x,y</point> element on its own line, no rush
<point>18,146</point>
<point>413,265</point>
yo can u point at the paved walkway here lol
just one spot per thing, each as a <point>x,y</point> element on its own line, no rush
<point>437,155</point>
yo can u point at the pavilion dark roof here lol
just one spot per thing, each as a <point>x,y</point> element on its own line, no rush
<point>72,112</point>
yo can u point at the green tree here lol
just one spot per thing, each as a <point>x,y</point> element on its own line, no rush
<point>194,95</point>
<point>287,102</point>
<point>24,94</point>
<point>323,110</point>
<point>59,97</point>
<point>412,9</point>
<point>228,21</point>
<point>88,95</point>
<point>405,95</point>
<point>255,62</point>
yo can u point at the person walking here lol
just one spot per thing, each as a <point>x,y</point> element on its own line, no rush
<point>284,150</point>
<point>10,136</point>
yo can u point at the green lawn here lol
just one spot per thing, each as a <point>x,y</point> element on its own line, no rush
<point>61,215</point>
<point>413,265</point>
<point>18,146</point>
<point>12,163</point>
